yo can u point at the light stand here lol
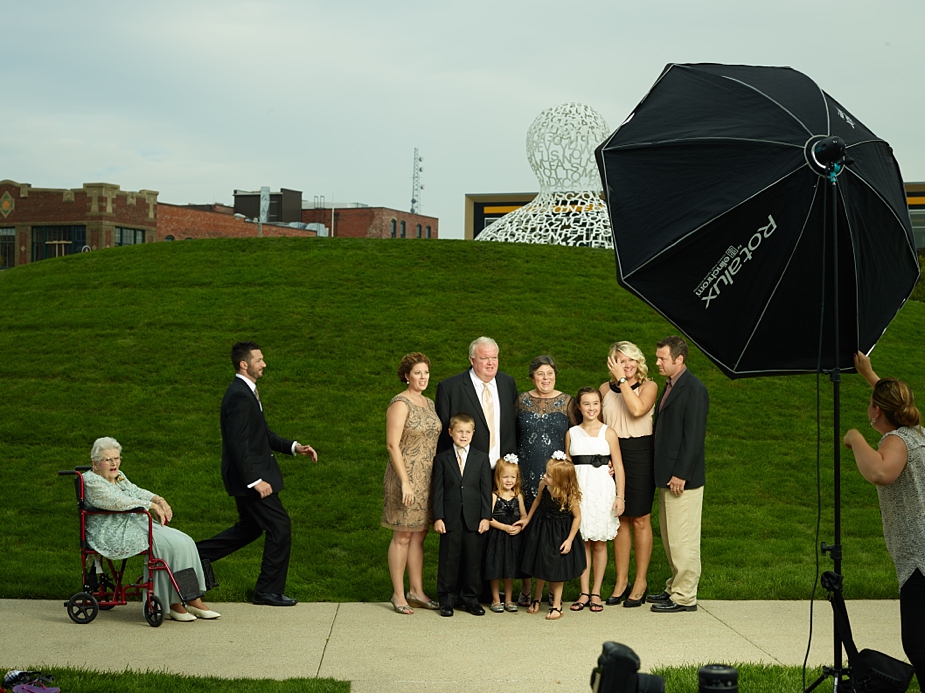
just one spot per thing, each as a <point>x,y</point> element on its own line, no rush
<point>828,156</point>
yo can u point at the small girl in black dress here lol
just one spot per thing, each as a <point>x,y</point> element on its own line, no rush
<point>504,550</point>
<point>548,553</point>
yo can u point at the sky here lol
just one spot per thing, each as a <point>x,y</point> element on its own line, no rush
<point>198,98</point>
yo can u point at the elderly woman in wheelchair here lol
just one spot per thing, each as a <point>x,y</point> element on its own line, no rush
<point>124,535</point>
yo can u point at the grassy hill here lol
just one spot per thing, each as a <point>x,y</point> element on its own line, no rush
<point>133,342</point>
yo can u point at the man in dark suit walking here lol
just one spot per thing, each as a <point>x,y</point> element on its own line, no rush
<point>485,394</point>
<point>252,475</point>
<point>680,428</point>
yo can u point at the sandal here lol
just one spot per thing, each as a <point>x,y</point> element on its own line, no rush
<point>554,614</point>
<point>497,607</point>
<point>511,606</point>
<point>420,603</point>
<point>578,606</point>
<point>534,607</point>
<point>403,609</point>
<point>595,608</point>
<point>523,600</point>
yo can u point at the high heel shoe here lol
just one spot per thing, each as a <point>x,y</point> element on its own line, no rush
<point>630,603</point>
<point>613,601</point>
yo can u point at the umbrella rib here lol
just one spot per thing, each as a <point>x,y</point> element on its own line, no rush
<point>876,192</point>
<point>780,278</point>
<point>854,263</point>
<point>781,106</point>
<point>634,145</point>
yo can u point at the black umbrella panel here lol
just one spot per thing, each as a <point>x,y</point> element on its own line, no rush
<point>717,204</point>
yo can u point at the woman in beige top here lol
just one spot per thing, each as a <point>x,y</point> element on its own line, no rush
<point>628,400</point>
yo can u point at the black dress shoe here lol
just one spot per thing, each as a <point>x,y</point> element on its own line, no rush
<point>670,607</point>
<point>474,609</point>
<point>273,599</point>
<point>658,598</point>
<point>446,610</point>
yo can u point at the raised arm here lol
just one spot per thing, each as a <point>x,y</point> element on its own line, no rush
<point>862,364</point>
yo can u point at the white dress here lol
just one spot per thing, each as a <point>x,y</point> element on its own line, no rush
<point>598,490</point>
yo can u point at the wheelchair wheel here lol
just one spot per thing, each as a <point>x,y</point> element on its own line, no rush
<point>154,611</point>
<point>82,607</point>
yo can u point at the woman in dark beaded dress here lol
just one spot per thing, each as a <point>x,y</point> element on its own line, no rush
<point>542,421</point>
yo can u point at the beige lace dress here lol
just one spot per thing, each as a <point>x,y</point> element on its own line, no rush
<point>418,446</point>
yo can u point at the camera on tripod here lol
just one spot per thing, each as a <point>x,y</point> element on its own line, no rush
<point>617,671</point>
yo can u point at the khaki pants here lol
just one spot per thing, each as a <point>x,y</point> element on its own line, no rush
<point>679,519</point>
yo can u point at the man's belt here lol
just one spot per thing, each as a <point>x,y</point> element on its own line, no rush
<point>593,460</point>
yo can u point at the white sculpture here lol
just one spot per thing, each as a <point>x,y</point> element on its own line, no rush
<point>569,209</point>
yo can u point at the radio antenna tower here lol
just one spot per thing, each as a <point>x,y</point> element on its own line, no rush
<point>416,185</point>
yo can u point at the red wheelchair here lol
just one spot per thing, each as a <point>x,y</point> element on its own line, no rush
<point>103,583</point>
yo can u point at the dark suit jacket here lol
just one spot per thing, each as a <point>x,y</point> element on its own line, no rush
<point>456,395</point>
<point>680,429</point>
<point>461,498</point>
<point>248,443</point>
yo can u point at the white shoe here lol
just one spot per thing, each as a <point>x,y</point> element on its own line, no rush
<point>202,613</point>
<point>177,616</point>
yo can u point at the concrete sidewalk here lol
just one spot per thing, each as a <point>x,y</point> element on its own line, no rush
<point>377,649</point>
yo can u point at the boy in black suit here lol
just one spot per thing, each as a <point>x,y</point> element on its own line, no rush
<point>462,509</point>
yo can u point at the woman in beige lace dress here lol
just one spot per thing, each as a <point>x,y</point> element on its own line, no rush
<point>411,431</point>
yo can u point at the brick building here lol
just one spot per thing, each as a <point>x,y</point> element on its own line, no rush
<point>372,222</point>
<point>179,223</point>
<point>39,223</point>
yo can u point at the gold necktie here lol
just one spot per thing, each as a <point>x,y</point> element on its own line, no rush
<point>488,408</point>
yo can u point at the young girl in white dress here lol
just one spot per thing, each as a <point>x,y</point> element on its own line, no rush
<point>594,449</point>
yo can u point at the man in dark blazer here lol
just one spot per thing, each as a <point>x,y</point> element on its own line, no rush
<point>461,495</point>
<point>252,475</point>
<point>477,390</point>
<point>680,428</point>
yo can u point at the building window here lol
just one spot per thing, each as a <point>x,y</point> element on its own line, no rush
<point>125,236</point>
<point>168,238</point>
<point>403,229</point>
<point>7,247</point>
<point>55,241</point>
<point>393,228</point>
<point>419,230</point>
<point>428,231</point>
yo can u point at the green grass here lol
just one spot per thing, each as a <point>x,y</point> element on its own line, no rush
<point>752,677</point>
<point>86,681</point>
<point>133,342</point>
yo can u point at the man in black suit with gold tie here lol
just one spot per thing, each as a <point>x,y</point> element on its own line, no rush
<point>252,475</point>
<point>488,396</point>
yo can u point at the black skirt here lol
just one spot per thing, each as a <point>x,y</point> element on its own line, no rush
<point>639,467</point>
